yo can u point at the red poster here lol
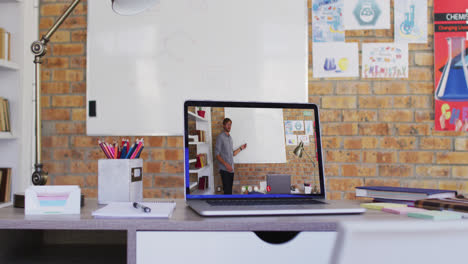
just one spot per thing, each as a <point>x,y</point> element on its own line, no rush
<point>451,64</point>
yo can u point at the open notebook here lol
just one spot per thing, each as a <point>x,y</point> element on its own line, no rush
<point>126,210</point>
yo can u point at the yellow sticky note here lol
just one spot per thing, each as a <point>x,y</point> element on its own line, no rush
<point>379,206</point>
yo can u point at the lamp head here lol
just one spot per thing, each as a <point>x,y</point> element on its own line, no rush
<point>299,150</point>
<point>131,7</point>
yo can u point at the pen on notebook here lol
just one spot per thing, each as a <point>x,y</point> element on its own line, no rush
<point>145,209</point>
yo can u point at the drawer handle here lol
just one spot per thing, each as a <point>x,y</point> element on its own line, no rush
<point>276,237</point>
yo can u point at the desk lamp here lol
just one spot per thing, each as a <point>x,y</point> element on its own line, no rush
<point>39,49</point>
<point>298,151</point>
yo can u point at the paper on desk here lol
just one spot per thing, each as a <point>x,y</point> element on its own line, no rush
<point>126,210</point>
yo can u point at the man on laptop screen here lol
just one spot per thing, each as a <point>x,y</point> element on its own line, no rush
<point>285,153</point>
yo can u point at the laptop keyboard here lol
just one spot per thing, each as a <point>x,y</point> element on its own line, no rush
<point>238,202</point>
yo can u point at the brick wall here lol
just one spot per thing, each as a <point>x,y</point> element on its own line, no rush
<point>375,131</point>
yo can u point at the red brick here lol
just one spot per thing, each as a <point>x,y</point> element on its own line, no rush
<point>382,182</point>
<point>56,62</point>
<point>344,184</point>
<point>153,167</point>
<point>331,115</point>
<point>359,170</point>
<point>55,88</point>
<point>395,170</point>
<point>155,141</point>
<point>342,156</point>
<point>460,171</point>
<point>175,142</point>
<point>68,49</point>
<point>84,141</point>
<point>433,171</point>
<point>67,154</point>
<point>70,128</point>
<point>320,88</point>
<point>335,102</point>
<point>56,9</point>
<point>53,167</point>
<point>436,143</point>
<point>360,116</point>
<point>424,58</point>
<point>379,157</point>
<point>378,129</point>
<point>341,129</point>
<point>331,142</point>
<point>79,114</point>
<point>396,115</point>
<point>68,101</point>
<point>377,102</point>
<point>83,167</point>
<point>393,87</point>
<point>398,143</point>
<point>353,88</point>
<point>55,114</point>
<point>360,143</point>
<point>69,180</point>
<point>79,36</point>
<point>68,75</point>
<point>412,129</point>
<point>428,184</point>
<point>461,144</point>
<point>420,74</point>
<point>416,157</point>
<point>452,158</point>
<point>169,181</point>
<point>421,88</point>
<point>91,181</point>
<point>54,141</point>
<point>78,87</point>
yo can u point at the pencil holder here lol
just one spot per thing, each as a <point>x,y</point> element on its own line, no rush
<point>120,180</point>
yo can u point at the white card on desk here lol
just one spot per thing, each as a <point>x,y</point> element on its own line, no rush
<point>126,210</point>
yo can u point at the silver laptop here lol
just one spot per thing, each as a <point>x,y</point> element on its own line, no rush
<point>234,151</point>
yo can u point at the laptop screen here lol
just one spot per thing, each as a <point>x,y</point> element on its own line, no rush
<point>252,150</point>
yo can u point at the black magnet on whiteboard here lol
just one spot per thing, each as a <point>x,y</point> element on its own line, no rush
<point>92,108</point>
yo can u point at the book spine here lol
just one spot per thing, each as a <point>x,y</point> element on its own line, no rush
<point>441,205</point>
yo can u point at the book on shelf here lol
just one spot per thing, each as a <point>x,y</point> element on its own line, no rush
<point>5,45</point>
<point>202,161</point>
<point>450,204</point>
<point>402,193</point>
<point>4,114</point>
<point>200,134</point>
<point>5,184</point>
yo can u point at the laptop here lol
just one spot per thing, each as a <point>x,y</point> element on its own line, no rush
<point>278,183</point>
<point>276,159</point>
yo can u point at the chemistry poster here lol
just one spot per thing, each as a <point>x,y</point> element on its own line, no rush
<point>327,21</point>
<point>410,21</point>
<point>335,60</point>
<point>450,65</point>
<point>367,14</point>
<point>384,60</point>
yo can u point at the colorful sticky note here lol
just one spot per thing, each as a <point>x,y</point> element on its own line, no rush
<point>380,206</point>
<point>436,215</point>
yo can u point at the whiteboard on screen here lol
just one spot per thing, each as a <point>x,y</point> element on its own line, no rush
<point>140,69</point>
<point>262,130</point>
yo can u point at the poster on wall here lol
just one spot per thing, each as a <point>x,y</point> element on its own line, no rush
<point>410,21</point>
<point>450,65</point>
<point>335,60</point>
<point>327,21</point>
<point>291,140</point>
<point>367,14</point>
<point>384,60</point>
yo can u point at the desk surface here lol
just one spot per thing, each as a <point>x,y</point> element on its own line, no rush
<point>184,219</point>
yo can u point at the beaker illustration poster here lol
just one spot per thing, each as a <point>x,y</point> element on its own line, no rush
<point>367,14</point>
<point>335,60</point>
<point>451,65</point>
<point>327,21</point>
<point>384,60</point>
<point>410,21</point>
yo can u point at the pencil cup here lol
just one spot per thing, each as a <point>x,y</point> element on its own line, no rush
<point>120,180</point>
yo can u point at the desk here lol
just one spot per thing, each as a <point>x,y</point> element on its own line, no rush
<point>82,239</point>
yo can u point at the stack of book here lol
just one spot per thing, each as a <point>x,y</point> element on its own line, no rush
<point>5,43</point>
<point>5,184</point>
<point>201,135</point>
<point>449,204</point>
<point>401,194</point>
<point>203,183</point>
<point>202,161</point>
<point>4,115</point>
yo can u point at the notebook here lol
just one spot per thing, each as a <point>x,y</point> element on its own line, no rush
<point>266,140</point>
<point>127,210</point>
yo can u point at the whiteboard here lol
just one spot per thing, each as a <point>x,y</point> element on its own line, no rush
<point>262,130</point>
<point>140,69</point>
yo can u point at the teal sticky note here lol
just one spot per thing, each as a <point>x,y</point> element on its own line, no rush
<point>436,215</point>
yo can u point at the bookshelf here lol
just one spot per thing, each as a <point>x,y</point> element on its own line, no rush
<point>20,18</point>
<point>204,147</point>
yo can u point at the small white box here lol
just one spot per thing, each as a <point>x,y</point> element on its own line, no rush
<point>120,180</point>
<point>52,199</point>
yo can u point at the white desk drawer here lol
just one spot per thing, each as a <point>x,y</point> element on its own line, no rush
<point>231,247</point>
